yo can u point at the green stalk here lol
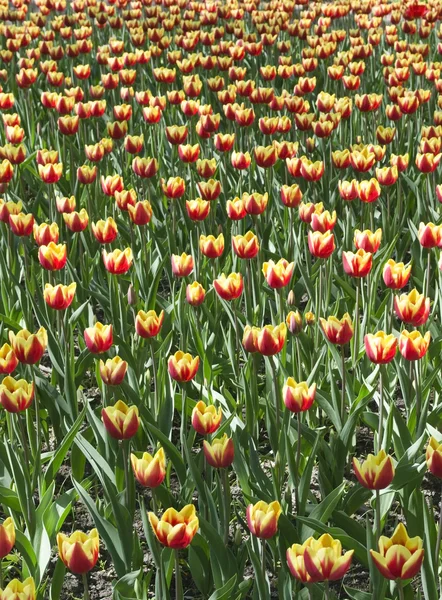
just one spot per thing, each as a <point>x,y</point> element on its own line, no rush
<point>226,501</point>
<point>377,513</point>
<point>183,418</point>
<point>356,327</point>
<point>86,587</point>
<point>381,410</point>
<point>298,463</point>
<point>178,580</point>
<point>400,589</point>
<point>156,408</point>
<point>343,384</point>
<point>263,558</point>
<point>439,539</point>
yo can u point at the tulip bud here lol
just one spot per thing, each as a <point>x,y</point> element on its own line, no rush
<point>262,518</point>
<point>79,551</point>
<point>149,470</point>
<point>120,420</point>
<point>291,300</point>
<point>294,322</point>
<point>131,296</point>
<point>175,529</point>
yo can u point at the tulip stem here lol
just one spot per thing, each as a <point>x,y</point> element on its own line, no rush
<point>298,462</point>
<point>377,512</point>
<point>226,489</point>
<point>439,538</point>
<point>327,589</point>
<point>183,417</point>
<point>178,579</point>
<point>381,410</point>
<point>427,278</point>
<point>86,587</point>
<point>263,558</point>
<point>356,327</point>
<point>400,590</point>
<point>276,385</point>
<point>124,448</point>
<point>343,384</point>
<point>156,408</point>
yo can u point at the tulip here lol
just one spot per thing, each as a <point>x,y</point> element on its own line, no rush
<point>240,160</point>
<point>400,557</point>
<point>198,209</point>
<point>105,231</point>
<point>7,537</point>
<point>245,246</point>
<point>369,190</point>
<point>149,470</point>
<point>182,366</point>
<point>59,297</point>
<point>250,338</point>
<point>291,196</point>
<point>209,190</point>
<point>76,221</point>
<point>380,347</point>
<point>16,590</point>
<point>205,418</point>
<point>306,211</point>
<point>321,245</point>
<point>338,331</point>
<point>278,274</point>
<point>112,371</point>
<point>429,235</point>
<point>412,345</point>
<point>65,205</point>
<point>182,265</point>
<point>262,518</point>
<point>210,246</point>
<point>235,209</point>
<point>298,397</point>
<point>21,224</point>
<point>230,287</point>
<point>118,261</point>
<point>323,221</point>
<point>79,551</point>
<point>175,529</point>
<point>148,325</point>
<point>16,395</point>
<point>53,256</point>
<point>412,308</point>
<point>112,184</point>
<point>367,240</point>
<point>294,322</point>
<point>44,233</point>
<point>318,560</point>
<point>29,347</point>
<point>376,472</point>
<point>270,339</point>
<point>357,264</point>
<point>396,275</point>
<point>348,190</point>
<point>195,293</point>
<point>8,360</point>
<point>125,198</point>
<point>121,421</point>
<point>220,452</point>
<point>174,187</point>
<point>98,338</point>
<point>433,456</point>
<point>255,204</point>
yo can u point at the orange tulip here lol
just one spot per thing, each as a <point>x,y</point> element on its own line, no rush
<point>59,297</point>
<point>8,360</point>
<point>338,331</point>
<point>149,470</point>
<point>121,421</point>
<point>298,397</point>
<point>220,452</point>
<point>175,529</point>
<point>205,418</point>
<point>399,557</point>
<point>182,366</point>
<point>79,551</point>
<point>412,308</point>
<point>262,518</point>
<point>412,345</point>
<point>149,324</point>
<point>112,371</point>
<point>376,472</point>
<point>29,347</point>
<point>98,338</point>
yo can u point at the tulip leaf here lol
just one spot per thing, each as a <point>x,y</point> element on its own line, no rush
<point>225,592</point>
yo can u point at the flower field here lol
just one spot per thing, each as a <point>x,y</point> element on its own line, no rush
<point>220,300</point>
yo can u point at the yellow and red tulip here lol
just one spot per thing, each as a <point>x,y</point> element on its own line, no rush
<point>319,560</point>
<point>262,518</point>
<point>219,452</point>
<point>175,529</point>
<point>79,551</point>
<point>121,421</point>
<point>399,557</point>
<point>112,371</point>
<point>195,293</point>
<point>357,264</point>
<point>271,339</point>
<point>7,537</point>
<point>433,456</point>
<point>412,308</point>
<point>148,324</point>
<point>118,261</point>
<point>29,347</point>
<point>338,331</point>
<point>182,366</point>
<point>376,472</point>
<point>16,589</point>
<point>59,297</point>
<point>230,287</point>
<point>298,397</point>
<point>413,345</point>
<point>278,274</point>
<point>149,470</point>
<point>206,418</point>
<point>98,338</point>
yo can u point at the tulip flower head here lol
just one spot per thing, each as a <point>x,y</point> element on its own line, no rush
<point>338,331</point>
<point>380,347</point>
<point>98,338</point>
<point>433,456</point>
<point>149,470</point>
<point>412,308</point>
<point>220,452</point>
<point>148,324</point>
<point>19,590</point>
<point>112,371</point>
<point>270,339</point>
<point>278,274</point>
<point>412,345</point>
<point>29,347</point>
<point>262,518</point>
<point>298,397</point>
<point>8,360</point>
<point>245,246</point>
<point>206,418</point>
<point>376,472</point>
<point>182,265</point>
<point>321,245</point>
<point>195,293</point>
<point>121,421</point>
<point>367,240</point>
<point>318,560</point>
<point>396,275</point>
<point>175,529</point>
<point>357,264</point>
<point>399,557</point>
<point>182,366</point>
<point>59,297</point>
<point>118,261</point>
<point>16,395</point>
<point>79,551</point>
<point>7,537</point>
<point>230,287</point>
